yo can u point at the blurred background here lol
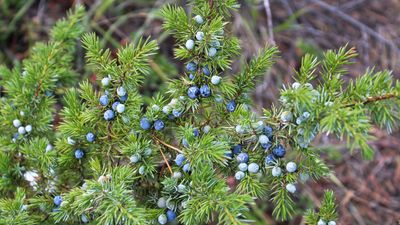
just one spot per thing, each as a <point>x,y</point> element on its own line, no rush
<point>368,192</point>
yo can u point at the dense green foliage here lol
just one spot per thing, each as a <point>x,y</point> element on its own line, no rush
<point>122,163</point>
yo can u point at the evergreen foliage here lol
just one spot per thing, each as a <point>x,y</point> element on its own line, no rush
<point>26,117</point>
<point>122,159</point>
<point>327,211</point>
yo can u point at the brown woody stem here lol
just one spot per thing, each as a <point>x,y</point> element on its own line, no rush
<point>373,99</point>
<point>168,145</point>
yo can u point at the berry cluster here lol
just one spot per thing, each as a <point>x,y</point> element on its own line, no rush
<point>291,167</point>
<point>174,109</point>
<point>304,120</point>
<point>140,156</point>
<point>265,140</point>
<point>79,153</point>
<point>21,130</point>
<point>242,159</point>
<point>116,105</point>
<point>199,72</point>
<point>177,188</point>
<point>204,91</point>
<point>180,161</point>
<point>199,36</point>
<point>146,124</point>
<point>278,151</point>
<point>169,216</point>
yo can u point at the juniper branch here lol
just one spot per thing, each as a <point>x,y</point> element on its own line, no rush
<point>374,99</point>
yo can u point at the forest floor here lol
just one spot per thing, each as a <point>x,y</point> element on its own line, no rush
<point>368,191</point>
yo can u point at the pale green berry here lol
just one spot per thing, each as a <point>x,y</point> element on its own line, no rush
<point>198,19</point>
<point>239,175</point>
<point>17,123</point>
<point>177,175</point>
<point>239,129</point>
<point>212,52</point>
<point>276,171</point>
<point>309,86</point>
<point>206,129</point>
<point>120,108</point>
<point>142,170</point>
<point>181,188</point>
<point>328,104</point>
<point>296,85</point>
<point>189,44</point>
<point>135,158</point>
<point>263,139</point>
<point>291,167</point>
<point>166,109</point>
<point>304,177</point>
<point>243,167</point>
<point>215,80</point>
<point>162,219</point>
<point>253,168</point>
<point>200,36</point>
<point>84,219</point>
<point>286,116</point>
<point>161,202</point>
<point>291,188</point>
<point>28,128</point>
<point>105,81</point>
<point>155,107</point>
<point>148,151</point>
<point>70,141</point>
